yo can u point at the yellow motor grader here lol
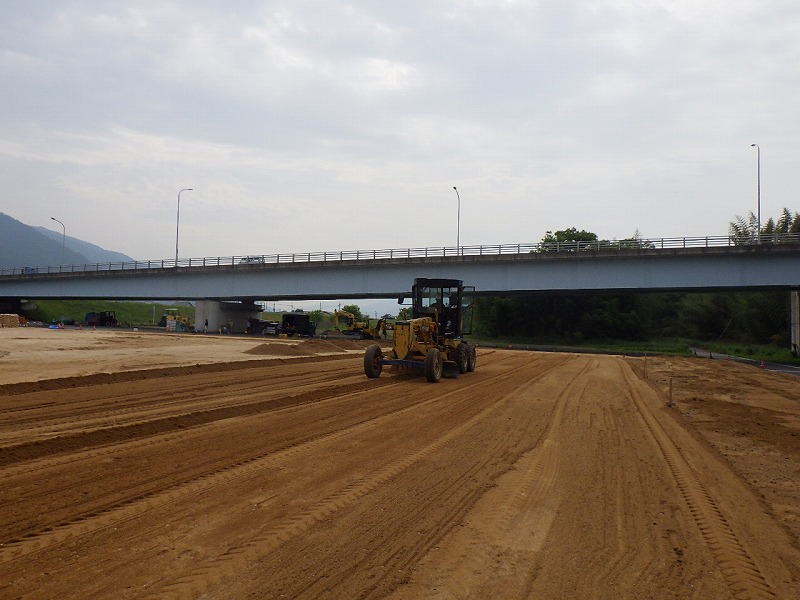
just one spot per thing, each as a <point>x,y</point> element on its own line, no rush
<point>432,339</point>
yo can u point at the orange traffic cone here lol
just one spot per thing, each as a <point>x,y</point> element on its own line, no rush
<point>762,364</point>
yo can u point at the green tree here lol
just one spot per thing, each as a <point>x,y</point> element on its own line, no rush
<point>637,241</point>
<point>745,230</point>
<point>565,239</point>
<point>355,309</point>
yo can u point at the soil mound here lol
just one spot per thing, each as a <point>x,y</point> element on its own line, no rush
<point>278,350</point>
<point>317,346</point>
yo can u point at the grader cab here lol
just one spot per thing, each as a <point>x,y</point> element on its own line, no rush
<point>432,339</point>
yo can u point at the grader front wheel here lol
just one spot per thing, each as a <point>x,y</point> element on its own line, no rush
<point>372,361</point>
<point>434,365</point>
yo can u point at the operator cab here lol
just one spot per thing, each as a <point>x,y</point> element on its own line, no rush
<point>447,301</point>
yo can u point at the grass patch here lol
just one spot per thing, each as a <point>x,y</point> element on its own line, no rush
<point>675,346</point>
<point>670,346</point>
<point>769,353</point>
<point>128,313</point>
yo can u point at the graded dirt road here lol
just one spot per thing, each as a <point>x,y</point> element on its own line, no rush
<point>281,471</point>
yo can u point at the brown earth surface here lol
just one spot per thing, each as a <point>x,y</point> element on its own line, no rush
<point>141,465</point>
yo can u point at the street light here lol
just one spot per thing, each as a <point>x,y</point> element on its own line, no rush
<point>758,157</point>
<point>178,223</point>
<point>458,223</point>
<point>63,237</point>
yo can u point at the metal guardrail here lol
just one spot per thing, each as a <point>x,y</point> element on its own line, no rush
<point>432,252</point>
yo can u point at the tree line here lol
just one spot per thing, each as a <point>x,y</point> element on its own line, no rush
<point>752,317</point>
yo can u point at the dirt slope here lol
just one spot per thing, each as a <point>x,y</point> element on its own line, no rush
<point>538,476</point>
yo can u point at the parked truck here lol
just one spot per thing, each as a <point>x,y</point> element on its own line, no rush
<point>291,325</point>
<point>104,318</point>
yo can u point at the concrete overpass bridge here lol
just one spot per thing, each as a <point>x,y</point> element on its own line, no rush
<point>678,264</point>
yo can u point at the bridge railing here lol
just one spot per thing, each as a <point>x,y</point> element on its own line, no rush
<point>430,252</point>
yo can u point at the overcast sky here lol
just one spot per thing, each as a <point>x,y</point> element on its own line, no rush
<point>324,125</point>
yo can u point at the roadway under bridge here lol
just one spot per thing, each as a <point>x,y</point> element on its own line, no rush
<point>493,270</point>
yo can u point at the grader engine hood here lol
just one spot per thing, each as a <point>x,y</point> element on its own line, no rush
<point>414,337</point>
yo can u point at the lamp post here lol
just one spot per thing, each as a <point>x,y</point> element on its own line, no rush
<point>758,158</point>
<point>63,237</point>
<point>458,224</point>
<point>178,223</point>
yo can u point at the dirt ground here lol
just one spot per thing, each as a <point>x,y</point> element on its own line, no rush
<point>142,465</point>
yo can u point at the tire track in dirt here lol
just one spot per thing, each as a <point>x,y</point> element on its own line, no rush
<point>32,450</point>
<point>739,570</point>
<point>97,379</point>
<point>130,507</point>
<point>142,489</point>
<point>509,528</point>
<point>461,506</point>
<point>143,406</point>
<point>238,558</point>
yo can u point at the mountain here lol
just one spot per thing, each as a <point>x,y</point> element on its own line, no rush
<point>26,246</point>
<point>94,254</point>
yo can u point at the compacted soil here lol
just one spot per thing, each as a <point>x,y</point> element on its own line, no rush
<point>137,465</point>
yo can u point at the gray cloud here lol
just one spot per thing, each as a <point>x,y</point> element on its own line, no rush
<point>307,126</point>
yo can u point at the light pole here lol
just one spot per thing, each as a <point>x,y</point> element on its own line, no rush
<point>758,158</point>
<point>458,224</point>
<point>63,237</point>
<point>178,223</point>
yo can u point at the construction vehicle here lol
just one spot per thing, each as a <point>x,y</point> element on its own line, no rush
<point>105,318</point>
<point>172,320</point>
<point>297,325</point>
<point>262,326</point>
<point>348,324</point>
<point>291,325</point>
<point>432,339</point>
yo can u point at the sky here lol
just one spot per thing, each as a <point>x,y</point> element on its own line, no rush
<point>310,126</point>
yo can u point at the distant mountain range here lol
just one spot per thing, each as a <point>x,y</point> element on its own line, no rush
<point>26,246</point>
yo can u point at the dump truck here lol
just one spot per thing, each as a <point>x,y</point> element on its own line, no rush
<point>432,340</point>
<point>296,325</point>
<point>290,325</point>
<point>262,326</point>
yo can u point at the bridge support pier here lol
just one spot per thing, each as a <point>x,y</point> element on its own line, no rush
<point>230,317</point>
<point>795,320</point>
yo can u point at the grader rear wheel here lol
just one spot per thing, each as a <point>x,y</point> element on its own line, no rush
<point>434,365</point>
<point>372,361</point>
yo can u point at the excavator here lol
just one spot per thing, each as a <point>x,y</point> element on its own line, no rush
<point>348,324</point>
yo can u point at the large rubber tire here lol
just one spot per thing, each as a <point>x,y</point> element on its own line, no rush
<point>472,358</point>
<point>372,361</point>
<point>462,358</point>
<point>434,365</point>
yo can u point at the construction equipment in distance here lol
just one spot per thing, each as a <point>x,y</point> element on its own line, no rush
<point>104,318</point>
<point>432,339</point>
<point>172,320</point>
<point>291,325</point>
<point>348,324</point>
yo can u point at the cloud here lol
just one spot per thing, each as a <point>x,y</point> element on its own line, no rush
<point>318,126</point>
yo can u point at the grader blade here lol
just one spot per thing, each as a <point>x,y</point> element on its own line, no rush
<point>450,370</point>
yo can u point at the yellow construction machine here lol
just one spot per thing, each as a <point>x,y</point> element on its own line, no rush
<point>348,324</point>
<point>172,320</point>
<point>432,339</point>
